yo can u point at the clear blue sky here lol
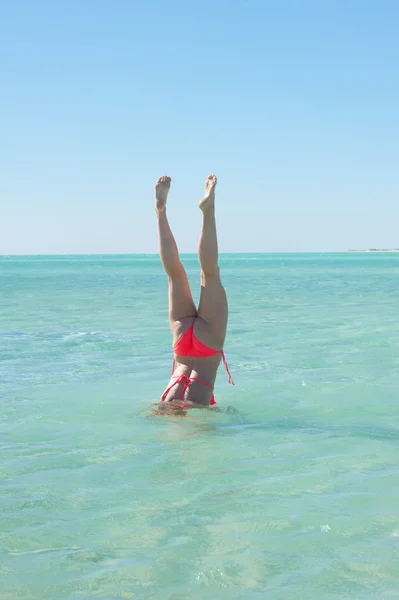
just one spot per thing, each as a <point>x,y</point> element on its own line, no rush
<point>293,104</point>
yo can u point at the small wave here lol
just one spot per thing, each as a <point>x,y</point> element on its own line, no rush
<point>45,551</point>
<point>251,366</point>
<point>78,334</point>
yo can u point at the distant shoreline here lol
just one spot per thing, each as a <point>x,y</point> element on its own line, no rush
<point>376,250</point>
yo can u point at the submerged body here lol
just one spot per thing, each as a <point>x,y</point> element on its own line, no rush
<point>198,334</point>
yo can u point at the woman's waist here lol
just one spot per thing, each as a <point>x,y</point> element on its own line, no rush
<point>202,366</point>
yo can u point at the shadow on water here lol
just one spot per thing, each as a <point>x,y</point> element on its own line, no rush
<point>229,420</point>
<point>215,421</point>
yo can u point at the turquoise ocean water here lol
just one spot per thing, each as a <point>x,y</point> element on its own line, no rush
<point>290,492</point>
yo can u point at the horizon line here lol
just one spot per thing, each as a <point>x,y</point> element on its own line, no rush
<point>4,255</point>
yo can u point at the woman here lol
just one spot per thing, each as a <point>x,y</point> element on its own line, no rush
<point>198,335</point>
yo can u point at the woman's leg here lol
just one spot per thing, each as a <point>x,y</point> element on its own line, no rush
<point>212,307</point>
<point>181,303</point>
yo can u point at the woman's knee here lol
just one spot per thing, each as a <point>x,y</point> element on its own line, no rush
<point>178,273</point>
<point>210,276</point>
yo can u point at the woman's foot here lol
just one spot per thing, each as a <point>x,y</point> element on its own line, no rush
<point>208,201</point>
<point>162,188</point>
